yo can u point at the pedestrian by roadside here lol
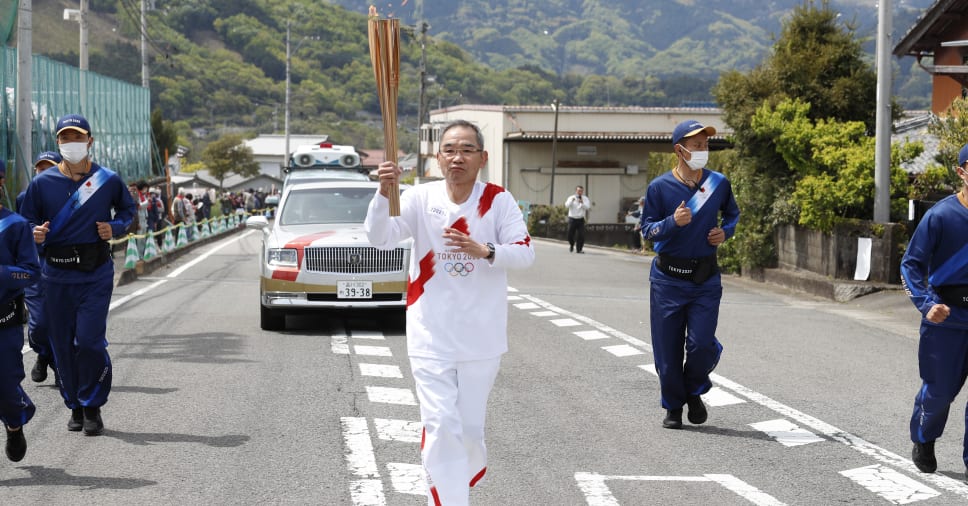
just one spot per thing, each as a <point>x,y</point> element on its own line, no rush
<point>155,214</point>
<point>178,207</point>
<point>466,234</point>
<point>139,225</point>
<point>189,203</point>
<point>19,268</point>
<point>578,206</point>
<point>78,208</point>
<point>934,273</point>
<point>635,217</point>
<point>34,294</point>
<point>689,211</point>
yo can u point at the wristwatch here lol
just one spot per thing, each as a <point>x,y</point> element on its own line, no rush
<point>490,251</point>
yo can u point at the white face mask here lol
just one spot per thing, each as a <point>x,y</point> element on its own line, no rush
<point>697,160</point>
<point>74,152</point>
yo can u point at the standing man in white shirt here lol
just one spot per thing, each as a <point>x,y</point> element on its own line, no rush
<point>578,206</point>
<point>466,234</point>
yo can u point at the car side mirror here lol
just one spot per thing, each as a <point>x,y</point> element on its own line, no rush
<point>257,222</point>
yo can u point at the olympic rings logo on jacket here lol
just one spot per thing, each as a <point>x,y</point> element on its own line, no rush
<point>459,268</point>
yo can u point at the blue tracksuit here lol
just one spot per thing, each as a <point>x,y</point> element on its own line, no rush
<point>76,302</point>
<point>937,256</point>
<point>684,314</point>
<point>18,268</point>
<point>34,299</point>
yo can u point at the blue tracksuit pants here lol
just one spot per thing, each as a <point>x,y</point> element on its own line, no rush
<point>683,319</point>
<point>943,362</point>
<point>77,317</point>
<point>37,324</point>
<point>16,409</point>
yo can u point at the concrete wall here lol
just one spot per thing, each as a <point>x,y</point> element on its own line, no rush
<point>835,254</point>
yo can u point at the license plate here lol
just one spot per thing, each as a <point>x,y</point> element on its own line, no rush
<point>354,289</point>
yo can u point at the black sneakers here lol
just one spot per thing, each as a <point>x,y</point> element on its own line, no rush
<point>16,444</point>
<point>93,426</point>
<point>923,457</point>
<point>673,419</point>
<point>76,422</point>
<point>697,410</point>
<point>39,373</point>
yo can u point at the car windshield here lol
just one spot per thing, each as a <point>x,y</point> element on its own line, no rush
<point>325,205</point>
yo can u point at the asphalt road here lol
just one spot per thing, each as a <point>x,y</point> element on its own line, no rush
<point>811,403</point>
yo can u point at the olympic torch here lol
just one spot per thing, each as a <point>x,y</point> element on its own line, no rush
<point>385,56</point>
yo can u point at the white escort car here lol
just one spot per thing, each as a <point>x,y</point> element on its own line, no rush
<point>316,256</point>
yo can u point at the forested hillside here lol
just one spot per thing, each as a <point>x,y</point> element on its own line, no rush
<point>219,65</point>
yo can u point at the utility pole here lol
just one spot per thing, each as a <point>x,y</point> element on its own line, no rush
<point>144,44</point>
<point>882,135</point>
<point>285,155</point>
<point>24,86</point>
<point>554,152</point>
<point>422,106</point>
<point>83,55</point>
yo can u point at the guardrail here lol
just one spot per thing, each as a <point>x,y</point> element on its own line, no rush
<point>175,240</point>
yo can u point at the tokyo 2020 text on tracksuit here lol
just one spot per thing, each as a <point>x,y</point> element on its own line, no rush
<point>456,319</point>
<point>934,270</point>
<point>19,268</point>
<point>78,274</point>
<point>684,312</point>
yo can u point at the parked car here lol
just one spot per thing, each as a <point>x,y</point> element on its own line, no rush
<point>315,255</point>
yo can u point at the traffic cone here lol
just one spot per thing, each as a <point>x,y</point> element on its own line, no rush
<point>168,244</point>
<point>131,255</point>
<point>182,237</point>
<point>151,248</point>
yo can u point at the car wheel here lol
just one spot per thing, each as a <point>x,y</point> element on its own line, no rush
<point>272,319</point>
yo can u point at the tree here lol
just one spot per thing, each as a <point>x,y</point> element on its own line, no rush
<point>817,60</point>
<point>939,179</point>
<point>834,165</point>
<point>228,155</point>
<point>166,139</point>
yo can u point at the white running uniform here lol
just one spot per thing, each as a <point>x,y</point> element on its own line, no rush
<point>456,317</point>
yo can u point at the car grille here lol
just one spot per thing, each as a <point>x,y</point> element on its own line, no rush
<point>354,260</point>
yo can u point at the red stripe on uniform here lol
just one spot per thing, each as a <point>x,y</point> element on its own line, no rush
<point>423,438</point>
<point>433,492</point>
<point>477,477</point>
<point>299,244</point>
<point>526,241</point>
<point>487,199</point>
<point>461,225</point>
<point>415,288</point>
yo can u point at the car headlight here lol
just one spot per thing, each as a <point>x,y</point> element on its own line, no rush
<point>282,257</point>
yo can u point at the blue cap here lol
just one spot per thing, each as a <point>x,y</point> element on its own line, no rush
<point>50,156</point>
<point>963,155</point>
<point>689,128</point>
<point>73,122</point>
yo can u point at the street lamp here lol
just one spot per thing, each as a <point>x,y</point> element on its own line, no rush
<point>554,152</point>
<point>289,51</point>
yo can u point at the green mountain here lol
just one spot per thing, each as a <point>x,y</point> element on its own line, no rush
<point>219,65</point>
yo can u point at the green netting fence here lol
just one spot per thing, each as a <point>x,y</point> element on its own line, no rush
<point>119,114</point>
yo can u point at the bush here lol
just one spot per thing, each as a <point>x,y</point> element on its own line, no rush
<point>543,217</point>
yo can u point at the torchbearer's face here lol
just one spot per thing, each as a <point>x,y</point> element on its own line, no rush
<point>460,158</point>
